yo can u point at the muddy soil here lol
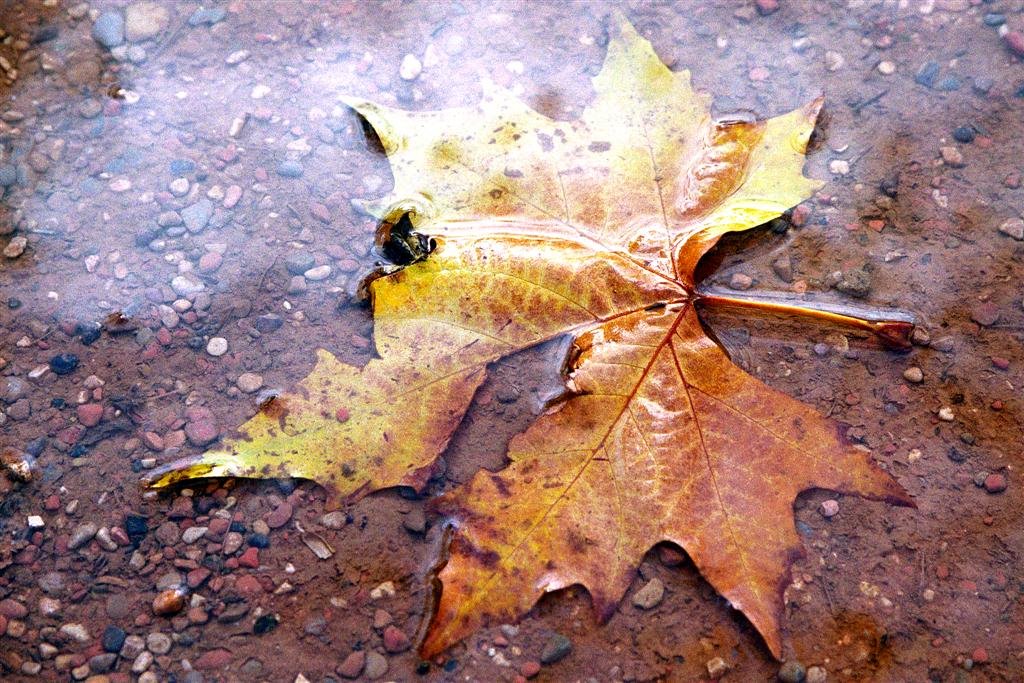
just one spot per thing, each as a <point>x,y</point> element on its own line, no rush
<point>163,197</point>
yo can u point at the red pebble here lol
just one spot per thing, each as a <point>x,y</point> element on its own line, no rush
<point>995,483</point>
<point>395,640</point>
<point>530,669</point>
<point>214,659</point>
<point>979,655</point>
<point>250,558</point>
<point>249,585</point>
<point>1014,41</point>
<point>90,414</point>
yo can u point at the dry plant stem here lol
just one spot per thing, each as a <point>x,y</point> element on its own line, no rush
<point>894,334</point>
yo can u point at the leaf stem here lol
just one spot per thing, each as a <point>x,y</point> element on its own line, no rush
<point>894,332</point>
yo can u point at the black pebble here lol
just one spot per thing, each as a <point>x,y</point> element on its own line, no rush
<point>238,527</point>
<point>57,403</point>
<point>964,134</point>
<point>113,638</point>
<point>927,74</point>
<point>259,541</point>
<point>136,527</point>
<point>88,332</point>
<point>78,450</point>
<point>269,322</point>
<point>14,303</point>
<point>265,624</point>
<point>64,363</point>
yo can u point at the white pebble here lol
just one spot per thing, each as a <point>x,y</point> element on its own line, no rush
<point>839,166</point>
<point>946,414</point>
<point>217,346</point>
<point>318,273</point>
<point>914,375</point>
<point>249,382</point>
<point>410,68</point>
<point>179,187</point>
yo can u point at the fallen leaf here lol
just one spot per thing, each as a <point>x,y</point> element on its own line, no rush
<point>590,228</point>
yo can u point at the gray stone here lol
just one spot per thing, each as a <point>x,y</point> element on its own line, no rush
<point>650,595</point>
<point>299,262</point>
<point>8,175</point>
<point>11,389</point>
<point>290,169</point>
<point>198,215</point>
<point>82,534</point>
<point>556,649</point>
<point>168,219</point>
<point>144,20</point>
<point>108,30</point>
<point>158,643</point>
<point>209,17</point>
<point>376,665</point>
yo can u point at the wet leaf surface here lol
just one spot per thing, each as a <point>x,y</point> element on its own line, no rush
<point>589,228</point>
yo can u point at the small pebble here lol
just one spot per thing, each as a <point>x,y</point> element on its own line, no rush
<point>946,414</point>
<point>236,57</point>
<point>169,602</point>
<point>716,667</point>
<point>193,534</point>
<point>829,508</point>
<point>1013,227</point>
<point>249,382</point>
<point>913,375</point>
<point>952,157</point>
<point>410,68</point>
<point>792,672</point>
<point>395,640</point>
<point>556,649</point>
<point>318,273</point>
<point>290,169</point>
<point>158,643</point>
<point>82,534</point>
<point>64,363</point>
<point>995,483</point>
<point>964,134</point>
<point>740,281</point>
<point>650,595</point>
<point>839,166</point>
<point>179,187</point>
<point>1014,41</point>
<point>77,632</point>
<point>217,346</point>
<point>376,665</point>
<point>16,247</point>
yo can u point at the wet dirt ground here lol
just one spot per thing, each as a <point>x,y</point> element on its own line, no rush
<point>169,196</point>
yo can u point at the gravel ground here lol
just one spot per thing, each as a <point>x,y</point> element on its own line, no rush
<point>178,239</point>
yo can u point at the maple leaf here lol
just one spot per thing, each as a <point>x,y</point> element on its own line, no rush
<point>590,228</point>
